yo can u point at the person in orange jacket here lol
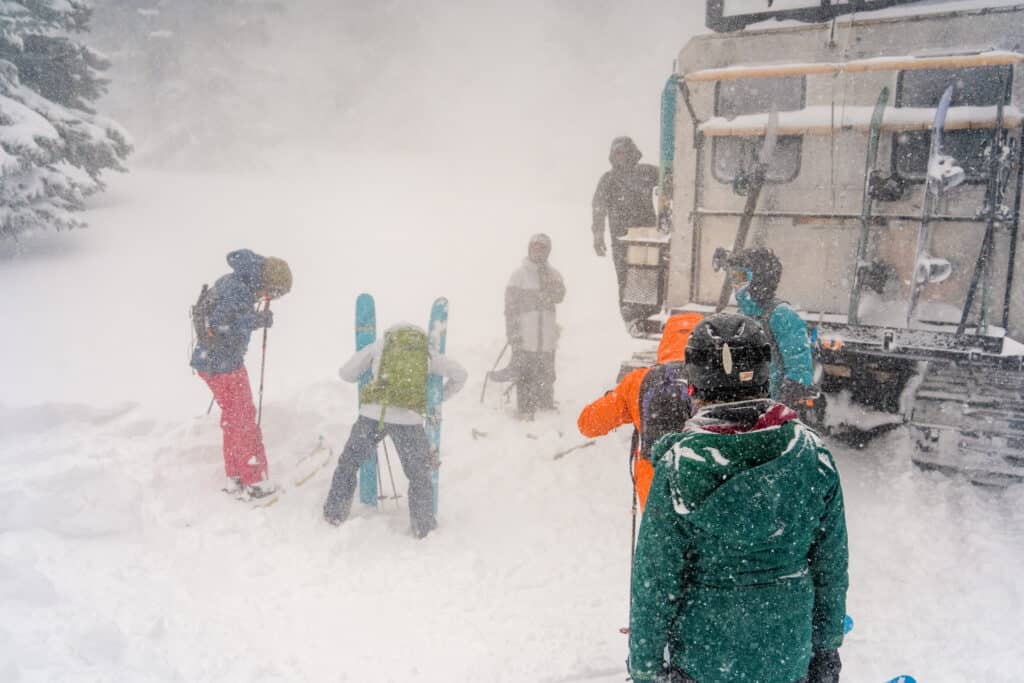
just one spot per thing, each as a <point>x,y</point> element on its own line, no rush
<point>621,405</point>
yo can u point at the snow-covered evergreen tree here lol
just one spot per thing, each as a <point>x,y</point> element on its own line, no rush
<point>53,146</point>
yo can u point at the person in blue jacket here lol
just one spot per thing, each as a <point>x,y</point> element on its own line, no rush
<point>224,319</point>
<point>755,274</point>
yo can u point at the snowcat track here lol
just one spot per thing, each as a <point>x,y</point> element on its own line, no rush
<point>970,420</point>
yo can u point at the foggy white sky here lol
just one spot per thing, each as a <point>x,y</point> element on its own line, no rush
<point>532,89</point>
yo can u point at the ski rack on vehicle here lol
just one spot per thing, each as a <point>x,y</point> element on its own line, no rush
<point>959,389</point>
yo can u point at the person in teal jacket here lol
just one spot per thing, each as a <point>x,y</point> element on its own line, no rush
<point>755,275</point>
<point>740,570</point>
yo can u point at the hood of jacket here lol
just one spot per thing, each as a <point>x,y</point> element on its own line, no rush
<point>740,417</point>
<point>248,266</point>
<point>675,335</point>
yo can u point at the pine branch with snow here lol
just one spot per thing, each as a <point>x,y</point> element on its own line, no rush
<point>53,146</point>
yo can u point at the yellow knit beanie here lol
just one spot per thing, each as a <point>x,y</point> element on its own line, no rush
<point>276,277</point>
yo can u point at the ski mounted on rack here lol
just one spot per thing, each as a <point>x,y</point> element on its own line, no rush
<point>943,175</point>
<point>751,184</point>
<point>1000,162</point>
<point>860,264</point>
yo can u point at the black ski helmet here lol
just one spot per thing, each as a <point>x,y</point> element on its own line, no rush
<point>727,358</point>
<point>765,272</point>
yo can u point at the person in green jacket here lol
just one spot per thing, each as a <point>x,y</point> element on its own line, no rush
<point>741,563</point>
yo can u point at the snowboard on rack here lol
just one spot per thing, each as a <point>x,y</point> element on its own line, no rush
<point>942,175</point>
<point>860,264</point>
<point>437,332</point>
<point>366,334</point>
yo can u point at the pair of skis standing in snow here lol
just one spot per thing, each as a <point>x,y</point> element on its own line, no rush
<point>402,384</point>
<point>401,379</point>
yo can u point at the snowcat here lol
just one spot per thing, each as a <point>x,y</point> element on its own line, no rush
<point>900,242</point>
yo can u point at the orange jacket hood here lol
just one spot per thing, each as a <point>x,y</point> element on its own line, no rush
<point>675,335</point>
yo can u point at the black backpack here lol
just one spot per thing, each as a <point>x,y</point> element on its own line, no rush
<point>200,314</point>
<point>664,404</point>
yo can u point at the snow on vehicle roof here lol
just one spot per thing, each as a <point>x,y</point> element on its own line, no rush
<point>825,119</point>
<point>881,63</point>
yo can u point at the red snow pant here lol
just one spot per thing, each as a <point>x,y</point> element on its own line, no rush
<point>244,456</point>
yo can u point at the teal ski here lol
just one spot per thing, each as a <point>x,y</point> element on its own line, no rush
<point>366,334</point>
<point>437,332</point>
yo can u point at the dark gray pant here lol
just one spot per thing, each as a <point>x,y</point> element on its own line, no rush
<point>413,451</point>
<point>535,388</point>
<point>534,375</point>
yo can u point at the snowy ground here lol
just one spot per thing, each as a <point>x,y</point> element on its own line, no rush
<point>121,561</point>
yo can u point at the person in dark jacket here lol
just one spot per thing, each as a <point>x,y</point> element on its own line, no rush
<point>625,197</point>
<point>741,562</point>
<point>231,313</point>
<point>531,329</point>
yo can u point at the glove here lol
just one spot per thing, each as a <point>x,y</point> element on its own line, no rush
<point>599,247</point>
<point>791,393</point>
<point>263,319</point>
<point>825,667</point>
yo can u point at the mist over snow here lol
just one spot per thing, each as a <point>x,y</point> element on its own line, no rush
<point>407,149</point>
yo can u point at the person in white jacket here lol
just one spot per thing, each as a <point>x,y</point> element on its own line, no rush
<point>531,328</point>
<point>392,404</point>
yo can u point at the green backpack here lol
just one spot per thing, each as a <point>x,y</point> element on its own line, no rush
<point>401,378</point>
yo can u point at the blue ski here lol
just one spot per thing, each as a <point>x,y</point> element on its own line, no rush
<point>366,334</point>
<point>437,333</point>
<point>905,678</point>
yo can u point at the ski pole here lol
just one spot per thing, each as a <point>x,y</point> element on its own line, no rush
<point>263,365</point>
<point>562,453</point>
<point>391,474</point>
<point>635,442</point>
<point>757,178</point>
<point>380,479</point>
<point>210,407</point>
<point>493,368</point>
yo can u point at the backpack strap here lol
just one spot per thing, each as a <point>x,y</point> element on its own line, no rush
<point>765,318</point>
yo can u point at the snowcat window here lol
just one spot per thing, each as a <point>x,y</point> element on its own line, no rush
<point>731,155</point>
<point>975,87</point>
